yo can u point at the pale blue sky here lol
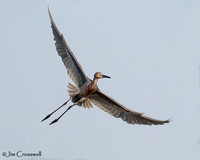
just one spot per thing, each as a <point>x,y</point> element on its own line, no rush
<point>149,48</point>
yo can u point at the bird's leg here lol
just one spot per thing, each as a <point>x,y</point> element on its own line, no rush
<point>55,110</point>
<point>62,114</point>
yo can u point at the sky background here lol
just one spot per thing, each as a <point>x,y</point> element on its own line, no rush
<point>151,49</point>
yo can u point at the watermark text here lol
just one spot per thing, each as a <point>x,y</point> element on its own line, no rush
<point>22,154</point>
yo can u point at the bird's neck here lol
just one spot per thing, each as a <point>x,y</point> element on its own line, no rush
<point>94,83</point>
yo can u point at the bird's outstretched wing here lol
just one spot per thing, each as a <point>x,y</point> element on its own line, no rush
<point>74,69</point>
<point>119,111</point>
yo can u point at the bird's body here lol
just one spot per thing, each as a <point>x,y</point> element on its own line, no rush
<point>86,91</point>
<point>83,94</point>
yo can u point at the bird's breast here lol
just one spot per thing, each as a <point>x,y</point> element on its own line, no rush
<point>89,89</point>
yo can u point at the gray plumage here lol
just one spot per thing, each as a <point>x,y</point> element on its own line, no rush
<point>86,90</point>
<point>74,69</point>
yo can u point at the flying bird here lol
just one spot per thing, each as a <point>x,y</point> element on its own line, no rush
<point>85,92</point>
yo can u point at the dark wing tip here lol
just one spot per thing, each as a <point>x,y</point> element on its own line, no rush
<point>166,121</point>
<point>163,122</point>
<point>49,13</point>
<point>53,25</point>
<point>151,121</point>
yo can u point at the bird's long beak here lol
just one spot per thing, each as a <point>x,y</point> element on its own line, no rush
<point>104,76</point>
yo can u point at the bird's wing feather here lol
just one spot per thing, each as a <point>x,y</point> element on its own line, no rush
<point>117,110</point>
<point>73,67</point>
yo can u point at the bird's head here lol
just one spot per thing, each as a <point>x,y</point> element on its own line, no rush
<point>99,75</point>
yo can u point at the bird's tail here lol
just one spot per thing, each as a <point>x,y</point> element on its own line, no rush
<point>77,98</point>
<point>73,90</point>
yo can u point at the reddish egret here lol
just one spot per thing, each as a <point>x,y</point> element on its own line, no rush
<point>86,90</point>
